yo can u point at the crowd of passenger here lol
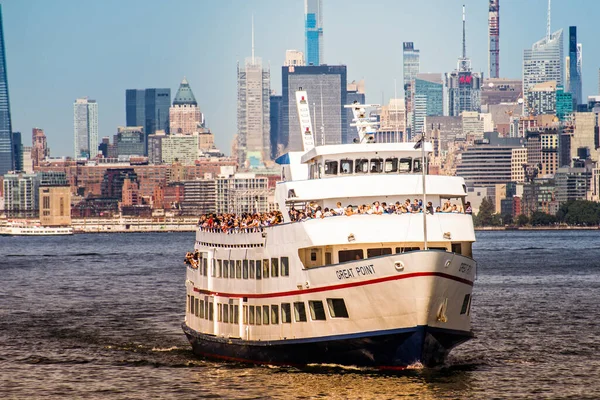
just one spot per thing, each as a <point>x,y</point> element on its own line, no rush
<point>254,222</point>
<point>315,211</point>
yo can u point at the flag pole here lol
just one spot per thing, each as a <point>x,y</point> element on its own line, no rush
<point>423,166</point>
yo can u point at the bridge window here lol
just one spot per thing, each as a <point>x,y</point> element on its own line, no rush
<point>300,311</point>
<point>258,269</point>
<point>391,165</point>
<point>238,269</point>
<point>346,166</point>
<point>317,311</point>
<point>285,266</point>
<point>378,252</point>
<point>286,313</point>
<point>350,255</point>
<point>265,315</point>
<point>405,165</point>
<point>331,167</point>
<point>274,267</point>
<point>406,249</point>
<point>225,268</point>
<point>274,314</point>
<point>376,165</point>
<point>362,166</point>
<point>337,308</point>
<point>231,269</point>
<point>265,268</point>
<point>245,269</point>
<point>252,269</point>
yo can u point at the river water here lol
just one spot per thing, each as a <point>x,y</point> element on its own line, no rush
<point>98,317</point>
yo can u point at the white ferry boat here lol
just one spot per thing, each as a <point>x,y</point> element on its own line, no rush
<point>22,229</point>
<point>377,290</point>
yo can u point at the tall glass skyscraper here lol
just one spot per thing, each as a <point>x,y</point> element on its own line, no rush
<point>85,125</point>
<point>574,67</point>
<point>543,62</point>
<point>313,20</point>
<point>326,88</point>
<point>148,108</point>
<point>410,69</point>
<point>428,98</point>
<point>7,158</point>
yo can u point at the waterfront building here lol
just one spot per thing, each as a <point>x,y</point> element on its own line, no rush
<point>148,108</point>
<point>253,125</point>
<point>54,199</point>
<point>518,162</point>
<point>275,121</point>
<point>326,89</point>
<point>130,141</point>
<point>199,196</point>
<point>313,23</point>
<point>85,117</point>
<point>295,58</point>
<point>185,116</point>
<point>485,165</point>
<point>428,99</point>
<point>113,179</point>
<point>410,69</point>
<point>7,149</point>
<point>574,61</point>
<point>501,90</point>
<point>21,195</point>
<point>179,147</point>
<point>573,183</point>
<point>17,144</point>
<point>541,98</point>
<point>39,147</point>
<point>355,92</point>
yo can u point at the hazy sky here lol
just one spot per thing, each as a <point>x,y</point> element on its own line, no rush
<point>58,50</point>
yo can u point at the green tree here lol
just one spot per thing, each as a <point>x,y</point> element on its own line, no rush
<point>485,214</point>
<point>507,219</point>
<point>539,218</point>
<point>522,220</point>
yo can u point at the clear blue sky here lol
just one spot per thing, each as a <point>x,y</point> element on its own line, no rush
<point>63,49</point>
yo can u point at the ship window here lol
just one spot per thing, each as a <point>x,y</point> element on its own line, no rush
<point>331,167</point>
<point>405,165</point>
<point>219,268</point>
<point>346,166</point>
<point>258,270</point>
<point>285,266</point>
<point>286,313</point>
<point>235,316</point>
<point>213,267</point>
<point>238,269</point>
<point>417,165</point>
<point>196,302</point>
<point>189,304</point>
<point>317,312</point>
<point>350,255</point>
<point>274,314</point>
<point>337,308</point>
<point>205,267</point>
<point>376,165</point>
<point>225,313</point>
<point>231,269</point>
<point>211,312</point>
<point>313,255</point>
<point>251,315</point>
<point>274,267</point>
<point>265,269</point>
<point>201,311</point>
<point>327,258</point>
<point>362,166</point>
<point>406,249</point>
<point>206,307</point>
<point>245,269</point>
<point>225,268</point>
<point>258,315</point>
<point>252,269</point>
<point>456,248</point>
<point>300,311</point>
<point>391,165</point>
<point>245,312</point>
<point>465,304</point>
<point>378,252</point>
<point>265,315</point>
<point>219,312</point>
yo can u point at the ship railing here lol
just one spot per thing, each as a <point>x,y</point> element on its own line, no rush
<point>232,231</point>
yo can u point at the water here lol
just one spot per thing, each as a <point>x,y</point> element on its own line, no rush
<point>98,317</point>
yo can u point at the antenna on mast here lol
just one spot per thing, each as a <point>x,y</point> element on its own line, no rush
<point>548,34</point>
<point>252,39</point>
<point>464,41</point>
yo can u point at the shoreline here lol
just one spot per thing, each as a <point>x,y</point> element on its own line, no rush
<point>537,228</point>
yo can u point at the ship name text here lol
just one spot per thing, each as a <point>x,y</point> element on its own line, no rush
<point>348,273</point>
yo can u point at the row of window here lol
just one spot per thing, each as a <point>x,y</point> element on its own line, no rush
<point>266,314</point>
<point>374,166</point>
<point>358,254</point>
<point>246,269</point>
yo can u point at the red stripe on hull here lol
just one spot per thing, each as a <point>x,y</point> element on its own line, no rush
<point>332,287</point>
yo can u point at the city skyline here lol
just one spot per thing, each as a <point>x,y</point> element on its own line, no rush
<point>208,54</point>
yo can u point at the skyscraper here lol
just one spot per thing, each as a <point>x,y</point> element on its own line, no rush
<point>326,88</point>
<point>464,85</point>
<point>410,69</point>
<point>85,124</point>
<point>494,38</point>
<point>254,89</point>
<point>17,145</point>
<point>39,148</point>
<point>185,116</point>
<point>544,61</point>
<point>275,119</point>
<point>7,158</point>
<point>313,20</point>
<point>574,67</point>
<point>428,98</point>
<point>148,108</point>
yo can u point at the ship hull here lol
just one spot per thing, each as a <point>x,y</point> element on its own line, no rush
<point>390,349</point>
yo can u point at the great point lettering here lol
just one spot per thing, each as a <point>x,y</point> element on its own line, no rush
<point>348,273</point>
